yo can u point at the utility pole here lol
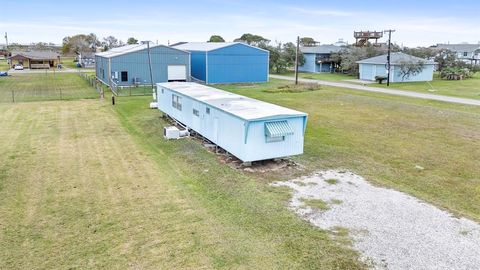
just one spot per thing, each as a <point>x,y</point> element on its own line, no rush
<point>150,64</point>
<point>296,60</point>
<point>6,41</point>
<point>390,31</point>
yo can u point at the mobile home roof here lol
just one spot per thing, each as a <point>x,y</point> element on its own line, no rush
<point>243,107</point>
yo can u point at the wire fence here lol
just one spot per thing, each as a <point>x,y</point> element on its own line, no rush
<point>127,91</point>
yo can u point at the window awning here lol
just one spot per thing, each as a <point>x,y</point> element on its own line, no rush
<point>278,129</point>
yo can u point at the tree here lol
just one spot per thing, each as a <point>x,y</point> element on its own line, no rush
<point>254,40</point>
<point>132,40</point>
<point>288,53</point>
<point>110,42</point>
<point>282,57</point>
<point>216,38</point>
<point>307,41</point>
<point>80,43</point>
<point>408,69</point>
<point>348,57</point>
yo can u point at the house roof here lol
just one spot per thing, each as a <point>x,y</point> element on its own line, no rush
<point>87,54</point>
<point>460,47</point>
<point>243,107</point>
<point>395,59</point>
<point>37,55</point>
<point>129,49</point>
<point>321,49</point>
<point>209,46</point>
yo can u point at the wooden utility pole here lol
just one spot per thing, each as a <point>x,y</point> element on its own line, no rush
<point>6,41</point>
<point>150,64</point>
<point>390,31</point>
<point>296,60</point>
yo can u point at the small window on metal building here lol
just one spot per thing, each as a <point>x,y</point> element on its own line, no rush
<point>207,110</point>
<point>124,76</point>
<point>196,112</point>
<point>276,131</point>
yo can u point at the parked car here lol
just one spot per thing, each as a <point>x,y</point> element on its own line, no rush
<point>18,67</point>
<point>3,73</point>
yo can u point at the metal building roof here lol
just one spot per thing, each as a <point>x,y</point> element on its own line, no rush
<point>395,59</point>
<point>243,107</point>
<point>209,46</point>
<point>321,49</point>
<point>129,49</point>
<point>460,47</point>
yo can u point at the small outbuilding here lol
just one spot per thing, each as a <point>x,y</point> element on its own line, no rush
<point>227,62</point>
<point>129,65</point>
<point>35,59</point>
<point>319,59</point>
<point>249,129</point>
<point>377,66</point>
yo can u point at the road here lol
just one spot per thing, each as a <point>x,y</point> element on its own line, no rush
<point>464,101</point>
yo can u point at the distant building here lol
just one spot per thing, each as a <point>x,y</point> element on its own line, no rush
<point>377,66</point>
<point>341,43</point>
<point>227,62</point>
<point>35,59</point>
<point>469,53</point>
<point>249,129</point>
<point>319,58</point>
<point>86,59</point>
<point>129,65</point>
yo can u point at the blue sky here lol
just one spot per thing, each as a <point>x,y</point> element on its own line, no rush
<point>417,23</point>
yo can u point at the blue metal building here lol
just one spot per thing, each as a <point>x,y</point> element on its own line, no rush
<point>227,62</point>
<point>319,58</point>
<point>249,129</point>
<point>128,65</point>
<point>376,66</point>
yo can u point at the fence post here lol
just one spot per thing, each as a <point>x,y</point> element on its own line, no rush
<point>13,96</point>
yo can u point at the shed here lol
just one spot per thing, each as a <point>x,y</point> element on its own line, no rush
<point>249,129</point>
<point>377,66</point>
<point>129,65</point>
<point>319,58</point>
<point>227,62</point>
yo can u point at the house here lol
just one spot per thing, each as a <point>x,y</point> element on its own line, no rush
<point>129,65</point>
<point>319,58</point>
<point>469,53</point>
<point>377,66</point>
<point>86,59</point>
<point>227,62</point>
<point>35,59</point>
<point>249,129</point>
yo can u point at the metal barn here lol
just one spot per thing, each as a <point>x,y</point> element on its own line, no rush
<point>249,129</point>
<point>128,65</point>
<point>227,62</point>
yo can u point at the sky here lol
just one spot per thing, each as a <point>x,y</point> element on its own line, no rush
<point>417,23</point>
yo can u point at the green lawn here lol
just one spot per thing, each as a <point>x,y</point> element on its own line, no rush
<point>3,65</point>
<point>384,137</point>
<point>67,61</point>
<point>469,88</point>
<point>50,86</point>
<point>334,77</point>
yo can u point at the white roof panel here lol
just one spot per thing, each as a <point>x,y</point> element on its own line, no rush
<point>208,46</point>
<point>127,49</point>
<point>240,106</point>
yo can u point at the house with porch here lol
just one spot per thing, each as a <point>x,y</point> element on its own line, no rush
<point>319,58</point>
<point>468,53</point>
<point>35,59</point>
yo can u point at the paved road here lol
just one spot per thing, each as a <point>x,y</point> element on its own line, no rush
<point>465,101</point>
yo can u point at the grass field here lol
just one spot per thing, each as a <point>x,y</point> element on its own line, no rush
<point>87,185</point>
<point>4,65</point>
<point>334,77</point>
<point>469,88</point>
<point>67,61</point>
<point>384,138</point>
<point>37,87</point>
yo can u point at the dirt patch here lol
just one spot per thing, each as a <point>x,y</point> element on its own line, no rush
<point>292,88</point>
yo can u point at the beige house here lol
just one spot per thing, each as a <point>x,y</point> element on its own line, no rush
<point>35,59</point>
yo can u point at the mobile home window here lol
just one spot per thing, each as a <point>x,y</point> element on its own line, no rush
<point>207,110</point>
<point>465,53</point>
<point>275,139</point>
<point>196,112</point>
<point>124,76</point>
<point>176,102</point>
<point>277,130</point>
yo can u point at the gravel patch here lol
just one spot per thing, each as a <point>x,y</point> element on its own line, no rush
<point>392,230</point>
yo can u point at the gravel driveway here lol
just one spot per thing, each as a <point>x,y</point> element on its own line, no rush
<point>391,229</point>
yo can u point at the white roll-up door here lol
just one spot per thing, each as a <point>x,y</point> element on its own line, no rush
<point>177,73</point>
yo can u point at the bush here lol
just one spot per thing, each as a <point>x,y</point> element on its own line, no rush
<point>455,73</point>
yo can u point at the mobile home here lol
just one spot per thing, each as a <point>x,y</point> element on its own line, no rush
<point>249,129</point>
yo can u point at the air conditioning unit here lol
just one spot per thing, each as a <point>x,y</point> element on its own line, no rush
<point>171,133</point>
<point>153,105</point>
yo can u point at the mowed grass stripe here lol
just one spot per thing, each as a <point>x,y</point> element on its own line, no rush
<point>82,194</point>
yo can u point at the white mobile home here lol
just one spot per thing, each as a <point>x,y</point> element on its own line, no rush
<point>249,129</point>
